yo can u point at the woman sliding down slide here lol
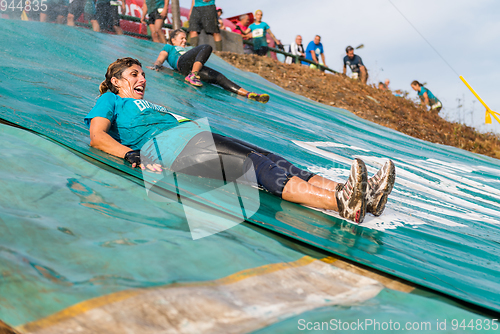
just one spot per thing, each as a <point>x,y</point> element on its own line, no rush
<point>121,123</point>
<point>191,63</point>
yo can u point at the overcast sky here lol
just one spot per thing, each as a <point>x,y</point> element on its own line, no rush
<point>466,33</point>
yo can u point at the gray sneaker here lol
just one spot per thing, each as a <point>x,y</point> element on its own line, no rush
<point>351,196</point>
<point>379,187</point>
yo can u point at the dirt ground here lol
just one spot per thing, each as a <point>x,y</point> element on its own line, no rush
<point>382,107</point>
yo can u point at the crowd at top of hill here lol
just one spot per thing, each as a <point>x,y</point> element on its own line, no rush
<point>104,15</point>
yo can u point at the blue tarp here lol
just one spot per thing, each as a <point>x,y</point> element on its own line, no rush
<point>440,228</point>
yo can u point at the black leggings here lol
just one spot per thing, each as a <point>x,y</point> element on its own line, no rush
<point>201,54</point>
<point>235,157</point>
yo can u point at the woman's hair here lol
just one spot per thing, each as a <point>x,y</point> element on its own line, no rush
<point>173,34</point>
<point>257,11</point>
<point>416,83</point>
<point>115,70</point>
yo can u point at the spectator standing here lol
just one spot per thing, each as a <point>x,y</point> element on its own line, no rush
<point>157,11</point>
<point>426,96</point>
<point>296,48</point>
<point>78,7</point>
<point>259,31</point>
<point>398,93</point>
<point>382,86</point>
<point>387,82</point>
<point>57,10</point>
<point>356,65</point>
<point>203,16</point>
<point>314,50</point>
<point>219,19</point>
<point>107,15</point>
<point>240,28</point>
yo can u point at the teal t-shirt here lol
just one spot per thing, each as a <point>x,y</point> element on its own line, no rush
<point>432,99</point>
<point>154,4</point>
<point>174,52</point>
<point>200,3</point>
<point>133,122</point>
<point>259,32</point>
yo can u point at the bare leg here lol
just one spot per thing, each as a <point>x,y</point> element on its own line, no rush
<point>302,192</point>
<point>350,202</point>
<point>95,25</point>
<point>118,30</point>
<point>60,19</point>
<point>154,33</point>
<point>218,42</point>
<point>71,20</point>
<point>197,66</point>
<point>364,76</point>
<point>242,92</point>
<point>161,36</point>
<point>321,182</point>
<point>43,17</point>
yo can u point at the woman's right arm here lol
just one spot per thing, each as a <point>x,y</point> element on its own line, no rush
<point>160,60</point>
<point>144,12</point>
<point>191,9</point>
<point>426,99</point>
<point>100,139</point>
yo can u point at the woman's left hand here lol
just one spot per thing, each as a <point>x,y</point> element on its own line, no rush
<point>156,68</point>
<point>164,12</point>
<point>136,160</point>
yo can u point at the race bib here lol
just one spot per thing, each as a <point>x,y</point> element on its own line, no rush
<point>179,118</point>
<point>180,50</point>
<point>257,33</point>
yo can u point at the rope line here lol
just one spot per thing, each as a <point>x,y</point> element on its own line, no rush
<point>425,39</point>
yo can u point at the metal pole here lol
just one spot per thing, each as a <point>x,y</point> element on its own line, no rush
<point>176,14</point>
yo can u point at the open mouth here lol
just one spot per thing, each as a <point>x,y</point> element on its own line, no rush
<point>139,90</point>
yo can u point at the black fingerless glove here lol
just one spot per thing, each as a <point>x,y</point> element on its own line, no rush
<point>157,67</point>
<point>134,157</point>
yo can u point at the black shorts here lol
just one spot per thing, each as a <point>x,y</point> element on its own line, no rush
<point>56,9</point>
<point>204,18</point>
<point>154,15</point>
<point>77,8</point>
<point>107,16</point>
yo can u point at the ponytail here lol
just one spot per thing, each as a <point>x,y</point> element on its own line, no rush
<point>103,87</point>
<point>115,70</point>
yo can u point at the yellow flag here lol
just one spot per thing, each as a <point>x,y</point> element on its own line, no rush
<point>489,112</point>
<point>488,117</point>
<point>24,17</point>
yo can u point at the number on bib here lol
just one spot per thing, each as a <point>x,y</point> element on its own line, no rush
<point>257,33</point>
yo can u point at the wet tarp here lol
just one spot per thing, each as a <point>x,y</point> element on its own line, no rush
<point>440,228</point>
<point>83,249</point>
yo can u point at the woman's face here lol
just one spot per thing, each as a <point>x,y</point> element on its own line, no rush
<point>416,88</point>
<point>132,83</point>
<point>258,16</point>
<point>179,40</point>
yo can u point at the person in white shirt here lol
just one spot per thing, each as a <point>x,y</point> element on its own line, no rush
<point>296,48</point>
